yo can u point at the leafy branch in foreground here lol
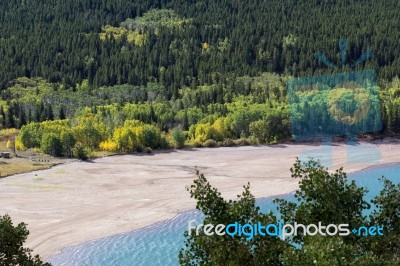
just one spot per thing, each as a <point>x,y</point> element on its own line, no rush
<point>323,196</point>
<point>226,250</point>
<point>12,239</point>
<point>387,214</point>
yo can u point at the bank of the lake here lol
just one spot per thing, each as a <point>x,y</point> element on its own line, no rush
<point>81,201</point>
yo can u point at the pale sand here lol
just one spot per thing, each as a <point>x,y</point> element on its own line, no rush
<point>80,201</point>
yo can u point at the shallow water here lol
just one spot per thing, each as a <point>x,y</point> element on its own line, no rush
<point>159,244</point>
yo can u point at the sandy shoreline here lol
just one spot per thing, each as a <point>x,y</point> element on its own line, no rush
<point>80,201</point>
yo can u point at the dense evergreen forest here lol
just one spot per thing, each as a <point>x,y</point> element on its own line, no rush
<point>216,70</point>
<point>58,40</point>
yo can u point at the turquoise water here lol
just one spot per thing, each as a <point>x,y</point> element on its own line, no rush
<point>159,244</point>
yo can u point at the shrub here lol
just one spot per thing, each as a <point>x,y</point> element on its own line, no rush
<point>228,143</point>
<point>67,141</point>
<point>197,144</point>
<point>19,145</point>
<point>253,140</point>
<point>242,142</point>
<point>51,144</point>
<point>147,150</point>
<point>108,145</point>
<point>125,140</point>
<point>81,152</point>
<point>9,144</point>
<point>210,143</point>
<point>164,144</point>
<point>30,135</point>
<point>178,138</point>
<point>259,130</point>
<point>151,136</point>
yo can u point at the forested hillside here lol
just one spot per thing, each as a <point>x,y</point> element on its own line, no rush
<point>215,69</point>
<point>59,40</point>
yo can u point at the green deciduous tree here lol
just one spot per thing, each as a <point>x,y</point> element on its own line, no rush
<point>51,144</point>
<point>81,152</point>
<point>68,141</point>
<point>226,250</point>
<point>387,214</point>
<point>259,130</point>
<point>323,196</point>
<point>31,135</point>
<point>178,138</point>
<point>12,251</point>
<point>329,198</point>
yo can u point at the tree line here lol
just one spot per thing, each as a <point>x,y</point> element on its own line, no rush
<point>234,111</point>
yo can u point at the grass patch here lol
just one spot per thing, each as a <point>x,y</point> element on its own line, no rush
<point>44,187</point>
<point>3,146</point>
<point>99,154</point>
<point>60,172</point>
<point>17,166</point>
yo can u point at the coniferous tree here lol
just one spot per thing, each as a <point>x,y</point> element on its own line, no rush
<point>49,113</point>
<point>3,117</point>
<point>21,119</point>
<point>61,114</point>
<point>10,121</point>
